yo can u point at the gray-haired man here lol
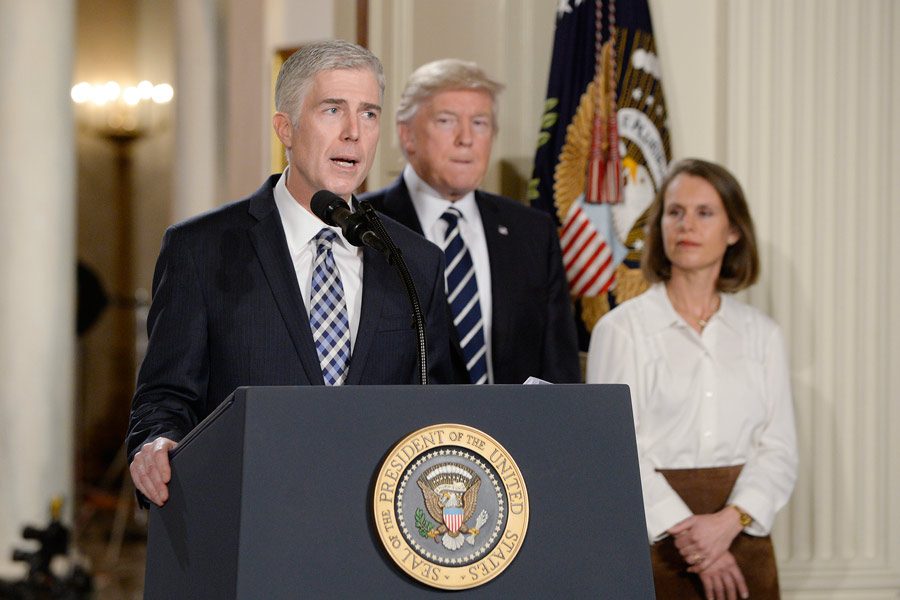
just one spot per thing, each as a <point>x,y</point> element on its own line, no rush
<point>261,292</point>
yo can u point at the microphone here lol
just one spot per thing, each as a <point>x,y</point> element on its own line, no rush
<point>364,227</point>
<point>332,209</point>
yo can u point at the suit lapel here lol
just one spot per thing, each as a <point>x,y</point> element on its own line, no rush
<point>376,271</point>
<point>267,237</point>
<point>399,205</point>
<point>502,258</point>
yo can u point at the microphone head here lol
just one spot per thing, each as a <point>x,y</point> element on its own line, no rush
<point>323,204</point>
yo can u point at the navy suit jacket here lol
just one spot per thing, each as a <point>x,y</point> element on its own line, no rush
<point>227,312</point>
<point>533,330</point>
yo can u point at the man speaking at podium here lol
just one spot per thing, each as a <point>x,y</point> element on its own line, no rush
<point>262,292</point>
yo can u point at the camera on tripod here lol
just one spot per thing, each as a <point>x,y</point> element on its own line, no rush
<point>41,582</point>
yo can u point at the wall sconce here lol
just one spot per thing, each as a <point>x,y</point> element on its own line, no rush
<point>125,112</point>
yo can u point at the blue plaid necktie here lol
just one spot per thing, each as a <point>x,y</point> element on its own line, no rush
<point>462,294</point>
<point>328,316</point>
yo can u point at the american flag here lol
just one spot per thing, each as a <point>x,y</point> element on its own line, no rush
<point>603,146</point>
<point>586,256</point>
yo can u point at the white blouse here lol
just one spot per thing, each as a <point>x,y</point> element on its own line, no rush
<point>714,399</point>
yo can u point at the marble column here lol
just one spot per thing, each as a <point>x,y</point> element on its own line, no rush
<point>197,185</point>
<point>37,266</point>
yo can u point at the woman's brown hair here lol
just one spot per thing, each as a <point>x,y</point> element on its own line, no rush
<point>740,266</point>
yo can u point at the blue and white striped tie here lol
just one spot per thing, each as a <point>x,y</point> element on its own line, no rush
<point>328,316</point>
<point>462,294</point>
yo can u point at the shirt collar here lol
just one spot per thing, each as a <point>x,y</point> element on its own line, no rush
<point>727,312</point>
<point>430,205</point>
<point>660,312</point>
<point>662,315</point>
<point>300,225</point>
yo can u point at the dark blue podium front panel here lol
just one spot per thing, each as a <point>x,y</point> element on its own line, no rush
<point>271,496</point>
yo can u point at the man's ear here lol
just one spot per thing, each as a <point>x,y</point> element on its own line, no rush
<point>284,129</point>
<point>405,135</point>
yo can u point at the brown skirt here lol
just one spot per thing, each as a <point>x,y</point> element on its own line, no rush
<point>706,491</point>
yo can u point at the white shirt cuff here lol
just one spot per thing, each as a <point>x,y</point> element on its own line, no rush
<point>757,506</point>
<point>664,515</point>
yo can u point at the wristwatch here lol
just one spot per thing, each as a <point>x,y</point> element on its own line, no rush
<point>746,519</point>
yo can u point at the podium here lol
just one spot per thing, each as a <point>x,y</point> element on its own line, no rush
<point>271,495</point>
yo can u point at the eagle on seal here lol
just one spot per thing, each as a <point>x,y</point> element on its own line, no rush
<point>450,491</point>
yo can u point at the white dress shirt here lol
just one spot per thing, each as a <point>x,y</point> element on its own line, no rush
<point>429,206</point>
<point>300,229</point>
<point>714,399</point>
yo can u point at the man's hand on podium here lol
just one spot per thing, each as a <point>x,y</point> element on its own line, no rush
<point>150,470</point>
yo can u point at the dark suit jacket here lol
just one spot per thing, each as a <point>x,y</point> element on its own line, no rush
<point>227,312</point>
<point>533,330</point>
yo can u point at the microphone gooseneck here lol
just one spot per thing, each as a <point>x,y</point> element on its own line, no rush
<point>365,228</point>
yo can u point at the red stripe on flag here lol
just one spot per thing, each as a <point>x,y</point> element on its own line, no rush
<point>574,217</point>
<point>590,265</point>
<point>604,268</point>
<point>575,236</point>
<point>583,246</point>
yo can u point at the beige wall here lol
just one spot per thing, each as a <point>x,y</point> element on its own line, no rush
<point>689,37</point>
<point>124,203</point>
<point>811,126</point>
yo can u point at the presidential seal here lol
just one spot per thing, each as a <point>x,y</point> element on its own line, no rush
<point>451,506</point>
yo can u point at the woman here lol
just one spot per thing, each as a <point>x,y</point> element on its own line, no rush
<point>710,391</point>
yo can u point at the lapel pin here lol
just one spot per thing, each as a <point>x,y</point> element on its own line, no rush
<point>502,230</point>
